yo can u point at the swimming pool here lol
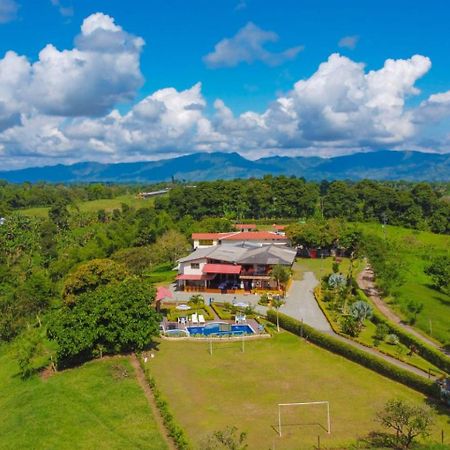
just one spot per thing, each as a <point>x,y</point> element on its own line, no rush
<point>221,329</point>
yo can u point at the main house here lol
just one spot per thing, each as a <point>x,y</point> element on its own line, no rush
<point>237,265</point>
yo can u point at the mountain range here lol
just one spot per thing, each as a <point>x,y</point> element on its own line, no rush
<point>377,165</point>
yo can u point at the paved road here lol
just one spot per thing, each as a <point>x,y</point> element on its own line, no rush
<point>301,304</point>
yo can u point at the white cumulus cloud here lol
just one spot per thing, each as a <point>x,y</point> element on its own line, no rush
<point>101,71</point>
<point>348,42</point>
<point>64,108</point>
<point>8,10</point>
<point>248,45</point>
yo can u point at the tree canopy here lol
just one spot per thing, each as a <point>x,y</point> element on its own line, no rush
<point>111,319</point>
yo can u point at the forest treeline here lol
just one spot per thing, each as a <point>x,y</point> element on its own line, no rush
<point>32,195</point>
<point>422,206</point>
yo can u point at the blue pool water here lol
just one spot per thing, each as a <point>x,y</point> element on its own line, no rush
<point>221,329</point>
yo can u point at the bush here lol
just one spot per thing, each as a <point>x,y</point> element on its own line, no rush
<point>381,331</point>
<point>372,362</point>
<point>424,350</point>
<point>221,312</point>
<point>350,326</point>
<point>392,339</point>
<point>174,430</point>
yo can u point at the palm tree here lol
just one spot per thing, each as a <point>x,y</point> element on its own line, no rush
<point>281,275</point>
<point>277,303</point>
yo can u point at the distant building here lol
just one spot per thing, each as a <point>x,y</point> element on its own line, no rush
<point>245,226</point>
<point>202,240</point>
<point>144,195</point>
<point>279,229</point>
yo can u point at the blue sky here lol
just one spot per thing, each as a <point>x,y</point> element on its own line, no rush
<point>271,46</point>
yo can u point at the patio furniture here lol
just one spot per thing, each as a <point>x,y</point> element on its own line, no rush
<point>201,318</point>
<point>183,307</point>
<point>240,318</point>
<point>194,318</point>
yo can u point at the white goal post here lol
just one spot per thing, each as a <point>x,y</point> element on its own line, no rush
<point>327,403</point>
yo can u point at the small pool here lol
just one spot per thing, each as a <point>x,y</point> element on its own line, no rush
<point>176,333</point>
<point>221,329</point>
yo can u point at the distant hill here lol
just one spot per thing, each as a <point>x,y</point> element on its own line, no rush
<point>379,165</point>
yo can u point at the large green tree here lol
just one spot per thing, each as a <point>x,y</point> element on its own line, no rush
<point>111,319</point>
<point>88,276</point>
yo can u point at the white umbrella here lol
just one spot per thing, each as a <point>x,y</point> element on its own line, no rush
<point>183,307</point>
<point>241,304</point>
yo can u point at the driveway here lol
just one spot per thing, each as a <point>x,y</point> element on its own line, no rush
<point>301,304</point>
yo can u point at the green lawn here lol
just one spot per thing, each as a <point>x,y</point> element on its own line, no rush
<point>415,249</point>
<point>94,205</point>
<point>161,274</point>
<point>208,393</point>
<point>322,266</point>
<point>92,406</point>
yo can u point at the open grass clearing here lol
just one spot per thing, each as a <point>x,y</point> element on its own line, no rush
<point>415,249</point>
<point>323,266</point>
<point>207,393</point>
<point>108,204</point>
<point>99,405</point>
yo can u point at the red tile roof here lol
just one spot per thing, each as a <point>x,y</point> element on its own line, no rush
<point>210,236</point>
<point>254,236</point>
<point>194,277</point>
<point>279,227</point>
<point>222,268</point>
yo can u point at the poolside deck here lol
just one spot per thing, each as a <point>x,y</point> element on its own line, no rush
<point>168,325</point>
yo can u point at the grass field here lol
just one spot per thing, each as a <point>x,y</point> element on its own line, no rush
<point>93,406</point>
<point>94,205</point>
<point>322,267</point>
<point>209,392</point>
<point>415,249</point>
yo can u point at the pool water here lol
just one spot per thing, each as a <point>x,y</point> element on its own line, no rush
<point>221,329</point>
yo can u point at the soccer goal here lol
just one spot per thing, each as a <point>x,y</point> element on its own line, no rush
<point>283,406</point>
<point>219,344</point>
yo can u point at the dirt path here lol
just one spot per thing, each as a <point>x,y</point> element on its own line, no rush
<point>366,282</point>
<point>151,401</point>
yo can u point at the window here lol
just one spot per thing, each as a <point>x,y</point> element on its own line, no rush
<point>195,266</point>
<point>206,242</point>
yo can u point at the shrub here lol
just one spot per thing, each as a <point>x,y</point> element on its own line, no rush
<point>392,339</point>
<point>372,362</point>
<point>337,280</point>
<point>381,331</point>
<point>424,350</point>
<point>349,325</point>
<point>174,430</point>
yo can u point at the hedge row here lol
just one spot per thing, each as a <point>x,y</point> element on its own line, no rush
<point>354,354</point>
<point>173,429</point>
<point>426,351</point>
<point>376,318</point>
<point>223,315</point>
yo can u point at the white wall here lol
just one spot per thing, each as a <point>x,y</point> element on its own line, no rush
<point>185,267</point>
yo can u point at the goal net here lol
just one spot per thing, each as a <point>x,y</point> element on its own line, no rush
<point>236,344</point>
<point>304,414</point>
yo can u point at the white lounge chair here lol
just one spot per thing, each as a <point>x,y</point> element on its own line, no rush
<point>194,318</point>
<point>201,318</point>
